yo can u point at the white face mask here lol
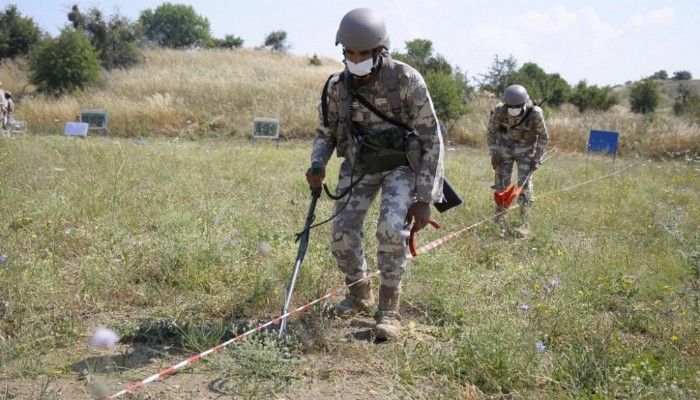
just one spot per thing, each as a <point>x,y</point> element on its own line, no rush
<point>515,111</point>
<point>360,69</point>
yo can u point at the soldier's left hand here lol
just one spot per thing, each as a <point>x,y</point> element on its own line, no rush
<point>534,164</point>
<point>419,214</point>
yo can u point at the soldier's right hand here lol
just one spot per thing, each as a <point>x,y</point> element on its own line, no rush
<point>495,161</point>
<point>315,180</point>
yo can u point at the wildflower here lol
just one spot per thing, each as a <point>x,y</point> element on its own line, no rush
<point>103,337</point>
<point>3,257</point>
<point>525,307</point>
<point>539,346</point>
<point>674,338</point>
<point>554,283</point>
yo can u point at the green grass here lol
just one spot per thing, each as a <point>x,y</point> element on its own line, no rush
<point>186,243</point>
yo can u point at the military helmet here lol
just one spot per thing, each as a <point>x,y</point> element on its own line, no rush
<point>362,29</point>
<point>515,95</point>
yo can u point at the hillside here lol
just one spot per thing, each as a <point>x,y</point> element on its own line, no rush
<point>218,93</point>
<point>669,89</point>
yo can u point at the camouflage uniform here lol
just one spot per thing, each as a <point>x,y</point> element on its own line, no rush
<point>520,144</point>
<point>400,187</point>
<point>3,108</point>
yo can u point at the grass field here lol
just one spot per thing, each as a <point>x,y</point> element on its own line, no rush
<point>179,245</point>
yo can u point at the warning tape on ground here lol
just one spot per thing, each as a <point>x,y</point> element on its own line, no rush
<point>424,249</point>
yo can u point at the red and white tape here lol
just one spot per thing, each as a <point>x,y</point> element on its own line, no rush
<point>424,249</point>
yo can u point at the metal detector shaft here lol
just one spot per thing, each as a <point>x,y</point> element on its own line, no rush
<point>303,244</point>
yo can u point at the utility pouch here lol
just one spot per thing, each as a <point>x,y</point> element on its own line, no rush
<point>380,151</point>
<point>414,151</point>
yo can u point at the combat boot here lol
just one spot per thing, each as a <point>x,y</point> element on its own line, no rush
<point>358,298</point>
<point>388,317</point>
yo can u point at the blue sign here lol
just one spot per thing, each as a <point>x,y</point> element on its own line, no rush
<point>603,141</point>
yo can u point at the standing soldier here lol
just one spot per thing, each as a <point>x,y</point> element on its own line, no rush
<point>3,107</point>
<point>364,113</point>
<point>10,110</point>
<point>517,133</point>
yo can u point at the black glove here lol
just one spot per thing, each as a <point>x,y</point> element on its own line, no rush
<point>534,164</point>
<point>495,161</point>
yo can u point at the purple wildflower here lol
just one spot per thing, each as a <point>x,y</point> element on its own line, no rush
<point>539,346</point>
<point>103,337</point>
<point>3,257</point>
<point>525,307</point>
<point>554,283</point>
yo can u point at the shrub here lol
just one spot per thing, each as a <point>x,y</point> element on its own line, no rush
<point>644,96</point>
<point>64,64</point>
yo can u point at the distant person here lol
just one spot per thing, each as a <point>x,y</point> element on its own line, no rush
<point>3,107</point>
<point>10,108</point>
<point>516,134</point>
<point>362,110</point>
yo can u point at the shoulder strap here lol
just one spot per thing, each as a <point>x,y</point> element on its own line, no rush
<point>391,82</point>
<point>528,112</point>
<point>379,113</point>
<point>390,79</point>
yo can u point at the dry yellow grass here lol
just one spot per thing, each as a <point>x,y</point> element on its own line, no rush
<point>219,92</point>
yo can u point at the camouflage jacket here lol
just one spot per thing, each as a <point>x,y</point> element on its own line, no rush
<point>530,133</point>
<point>417,112</point>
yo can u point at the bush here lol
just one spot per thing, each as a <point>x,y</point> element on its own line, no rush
<point>586,97</point>
<point>64,64</point>
<point>175,26</point>
<point>315,61</point>
<point>644,96</point>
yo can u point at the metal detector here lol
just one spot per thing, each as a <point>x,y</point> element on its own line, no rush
<point>303,239</point>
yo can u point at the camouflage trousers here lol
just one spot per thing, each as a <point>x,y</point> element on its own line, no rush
<point>397,193</point>
<point>520,156</point>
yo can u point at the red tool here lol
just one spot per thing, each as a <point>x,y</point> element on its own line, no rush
<point>411,244</point>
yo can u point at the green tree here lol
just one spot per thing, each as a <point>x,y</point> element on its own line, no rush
<point>115,40</point>
<point>500,75</point>
<point>541,85</point>
<point>662,75</point>
<point>277,41</point>
<point>586,97</point>
<point>449,88</point>
<point>686,103</point>
<point>18,35</point>
<point>682,76</point>
<point>175,26</point>
<point>228,42</point>
<point>64,64</point>
<point>644,96</point>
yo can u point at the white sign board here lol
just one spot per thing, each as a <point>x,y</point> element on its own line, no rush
<point>76,129</point>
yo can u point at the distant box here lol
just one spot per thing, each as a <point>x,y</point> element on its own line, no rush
<point>96,118</point>
<point>266,128</point>
<point>76,129</point>
<point>18,126</point>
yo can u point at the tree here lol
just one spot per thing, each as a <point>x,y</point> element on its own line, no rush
<point>449,88</point>
<point>500,75</point>
<point>682,76</point>
<point>277,41</point>
<point>662,75</point>
<point>228,42</point>
<point>541,85</point>
<point>175,26</point>
<point>64,64</point>
<point>586,97</point>
<point>115,40</point>
<point>686,103</point>
<point>18,35</point>
<point>644,96</point>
